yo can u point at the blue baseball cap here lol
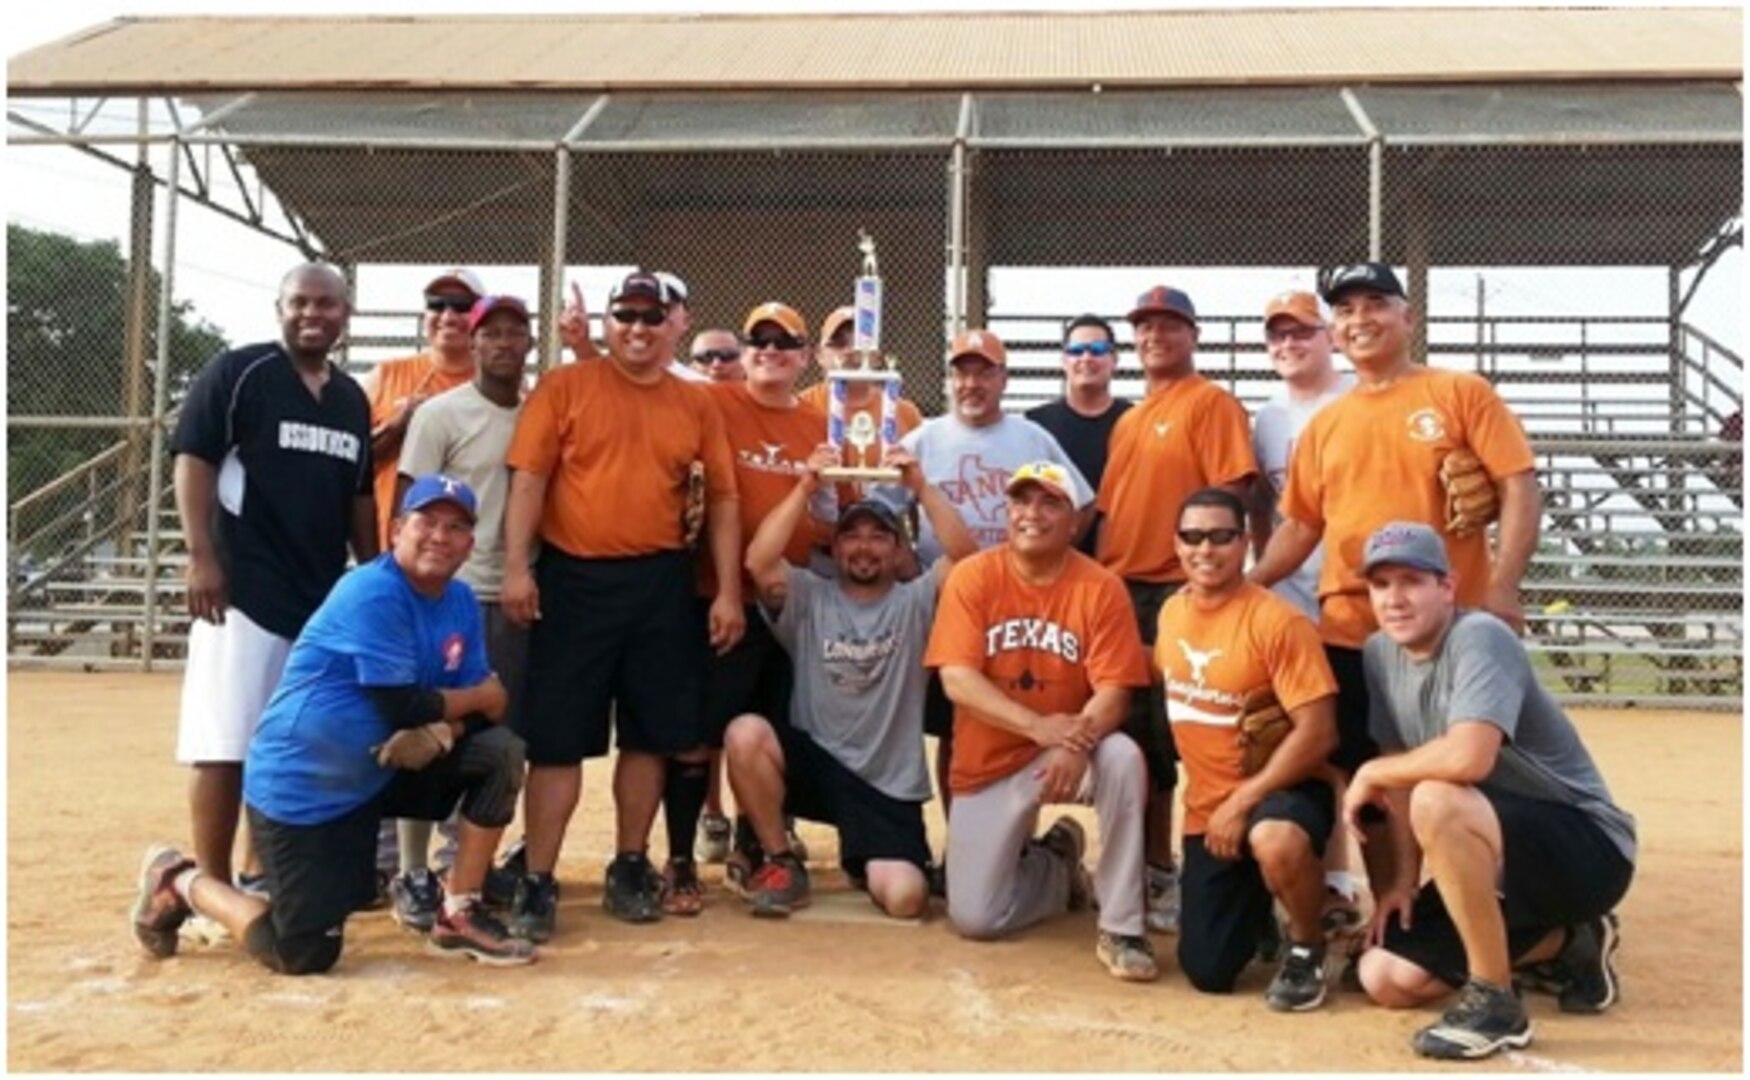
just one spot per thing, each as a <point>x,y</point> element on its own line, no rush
<point>1164,300</point>
<point>436,488</point>
<point>1406,543</point>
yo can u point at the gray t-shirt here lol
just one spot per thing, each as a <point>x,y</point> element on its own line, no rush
<point>1481,673</point>
<point>464,434</point>
<point>971,467</point>
<point>1277,424</point>
<point>860,677</point>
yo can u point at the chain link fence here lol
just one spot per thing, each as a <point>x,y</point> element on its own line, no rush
<point>1579,245</point>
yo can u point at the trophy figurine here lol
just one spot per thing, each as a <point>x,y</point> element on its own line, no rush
<point>861,430</point>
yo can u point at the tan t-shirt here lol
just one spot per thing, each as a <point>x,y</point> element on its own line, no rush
<point>388,386</point>
<point>1210,661</point>
<point>465,434</point>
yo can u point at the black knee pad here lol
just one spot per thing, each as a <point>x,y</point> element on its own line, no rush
<point>491,802</point>
<point>306,954</point>
<point>690,770</point>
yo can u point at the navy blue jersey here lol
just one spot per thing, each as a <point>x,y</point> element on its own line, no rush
<point>1086,440</point>
<point>290,464</point>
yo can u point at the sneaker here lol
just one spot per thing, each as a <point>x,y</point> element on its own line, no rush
<point>380,898</point>
<point>739,870</point>
<point>1341,916</point>
<point>633,889</point>
<point>1485,1021</point>
<point>158,912</point>
<point>254,885</point>
<point>1067,838</point>
<point>1589,961</point>
<point>1163,900</point>
<point>1270,941</point>
<point>1299,985</point>
<point>416,898</point>
<point>779,887</point>
<point>502,880</point>
<point>1127,956</point>
<point>476,935</point>
<point>715,832</point>
<point>936,874</point>
<point>797,847</point>
<point>535,908</point>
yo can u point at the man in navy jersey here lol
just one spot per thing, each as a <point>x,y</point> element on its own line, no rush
<point>1082,419</point>
<point>273,483</point>
<point>387,709</point>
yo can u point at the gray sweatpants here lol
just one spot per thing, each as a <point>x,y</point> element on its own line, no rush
<point>992,891</point>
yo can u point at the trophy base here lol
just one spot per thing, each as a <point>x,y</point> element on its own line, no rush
<point>848,472</point>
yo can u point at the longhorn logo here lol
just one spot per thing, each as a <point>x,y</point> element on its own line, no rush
<point>1199,661</point>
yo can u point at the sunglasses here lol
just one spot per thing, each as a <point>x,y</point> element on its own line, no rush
<point>717,356</point>
<point>653,316</point>
<point>1218,537</point>
<point>1290,333</point>
<point>448,303</point>
<point>776,341</point>
<point>1088,348</point>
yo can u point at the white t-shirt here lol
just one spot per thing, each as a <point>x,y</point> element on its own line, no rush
<point>1276,426</point>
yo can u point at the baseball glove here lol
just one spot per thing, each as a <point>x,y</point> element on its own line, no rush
<point>1471,500</point>
<point>1263,724</point>
<point>415,748</point>
<point>693,510</point>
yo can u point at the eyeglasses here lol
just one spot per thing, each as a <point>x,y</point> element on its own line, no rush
<point>1218,537</point>
<point>448,303</point>
<point>783,342</point>
<point>1276,335</point>
<point>1087,348</point>
<point>651,316</point>
<point>717,356</point>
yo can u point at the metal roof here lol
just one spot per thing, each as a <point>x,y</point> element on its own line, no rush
<point>886,51</point>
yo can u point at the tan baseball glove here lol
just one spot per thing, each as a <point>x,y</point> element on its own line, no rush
<point>693,512</point>
<point>1471,499</point>
<point>1263,724</point>
<point>415,748</point>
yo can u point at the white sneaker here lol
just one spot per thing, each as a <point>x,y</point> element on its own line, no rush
<point>1163,900</point>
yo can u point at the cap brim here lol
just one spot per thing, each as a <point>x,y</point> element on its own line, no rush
<point>436,499</point>
<point>1138,314</point>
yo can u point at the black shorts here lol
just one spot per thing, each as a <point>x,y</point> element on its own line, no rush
<point>507,653</point>
<point>1355,745</point>
<point>754,677</point>
<point>938,710</point>
<point>1224,905</point>
<point>1559,869</point>
<point>871,823</point>
<point>1146,723</point>
<point>623,633</point>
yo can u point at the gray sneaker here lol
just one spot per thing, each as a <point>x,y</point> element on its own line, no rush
<point>1163,900</point>
<point>714,835</point>
<point>535,911</point>
<point>1069,840</point>
<point>1299,985</point>
<point>415,899</point>
<point>1485,1021</point>
<point>474,934</point>
<point>1127,956</point>
<point>158,912</point>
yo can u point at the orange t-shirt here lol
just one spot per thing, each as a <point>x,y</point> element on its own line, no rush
<point>770,447</point>
<point>1048,647</point>
<point>907,415</point>
<point>392,383</point>
<point>1373,456</point>
<point>1211,660</point>
<point>616,453</point>
<point>1190,435</point>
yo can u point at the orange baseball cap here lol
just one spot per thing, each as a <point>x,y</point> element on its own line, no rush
<point>1302,307</point>
<point>839,317</point>
<point>980,343</point>
<point>773,312</point>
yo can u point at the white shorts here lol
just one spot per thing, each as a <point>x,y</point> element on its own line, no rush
<point>232,670</point>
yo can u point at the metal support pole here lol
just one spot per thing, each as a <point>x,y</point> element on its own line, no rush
<point>160,401</point>
<point>957,221</point>
<point>136,329</point>
<point>553,298</point>
<point>1375,175</point>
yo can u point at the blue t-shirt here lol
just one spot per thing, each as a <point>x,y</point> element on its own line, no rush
<point>310,760</point>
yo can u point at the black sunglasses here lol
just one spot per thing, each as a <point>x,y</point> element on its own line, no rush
<point>776,341</point>
<point>717,356</point>
<point>653,316</point>
<point>1218,537</point>
<point>448,303</point>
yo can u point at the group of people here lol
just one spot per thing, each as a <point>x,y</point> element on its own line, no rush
<point>656,553</point>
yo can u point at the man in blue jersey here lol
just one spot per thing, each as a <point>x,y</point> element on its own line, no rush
<point>387,709</point>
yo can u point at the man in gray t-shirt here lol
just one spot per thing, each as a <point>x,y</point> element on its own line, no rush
<point>851,751</point>
<point>1485,779</point>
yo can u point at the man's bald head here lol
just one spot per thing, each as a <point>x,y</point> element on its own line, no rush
<point>313,311</point>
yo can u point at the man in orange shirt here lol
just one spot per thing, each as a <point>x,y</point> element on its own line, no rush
<point>603,459</point>
<point>835,354</point>
<point>1039,653</point>
<point>1373,456</point>
<point>1249,840</point>
<point>1185,434</point>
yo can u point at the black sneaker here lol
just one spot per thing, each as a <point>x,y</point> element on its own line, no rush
<point>936,874</point>
<point>633,890</point>
<point>158,912</point>
<point>1299,985</point>
<point>1270,941</point>
<point>1069,840</point>
<point>415,898</point>
<point>535,911</point>
<point>473,934</point>
<point>502,880</point>
<point>1589,961</point>
<point>1485,1021</point>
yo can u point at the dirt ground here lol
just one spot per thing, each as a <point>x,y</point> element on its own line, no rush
<point>835,989</point>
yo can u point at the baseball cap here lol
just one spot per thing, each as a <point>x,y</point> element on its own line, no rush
<point>782,314</point>
<point>486,305</point>
<point>674,287</point>
<point>839,317</point>
<point>436,488</point>
<point>980,343</point>
<point>1047,474</point>
<point>1334,281</point>
<point>640,283</point>
<point>458,278</point>
<point>1164,300</point>
<point>1302,307</point>
<point>875,510</point>
<point>1406,543</point>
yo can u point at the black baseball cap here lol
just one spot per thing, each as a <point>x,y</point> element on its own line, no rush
<point>1334,281</point>
<point>640,283</point>
<point>874,509</point>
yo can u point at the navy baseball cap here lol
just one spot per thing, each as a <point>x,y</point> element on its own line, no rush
<point>875,510</point>
<point>437,488</point>
<point>1406,543</point>
<point>1164,300</point>
<point>1334,281</point>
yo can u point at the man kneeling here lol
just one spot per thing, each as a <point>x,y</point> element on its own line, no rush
<point>386,709</point>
